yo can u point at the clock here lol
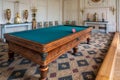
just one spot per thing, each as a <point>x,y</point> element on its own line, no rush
<point>96,0</point>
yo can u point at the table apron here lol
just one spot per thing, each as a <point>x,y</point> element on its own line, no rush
<point>51,55</point>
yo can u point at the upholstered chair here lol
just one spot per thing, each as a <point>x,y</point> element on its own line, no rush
<point>46,24</point>
<point>67,22</point>
<point>50,23</point>
<point>73,23</point>
<point>39,25</point>
<point>56,23</point>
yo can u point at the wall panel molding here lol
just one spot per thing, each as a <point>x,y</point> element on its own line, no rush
<point>90,3</point>
<point>106,7</point>
<point>45,9</point>
<point>118,15</point>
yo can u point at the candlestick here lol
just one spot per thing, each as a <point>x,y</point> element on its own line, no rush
<point>25,15</point>
<point>34,23</point>
<point>113,10</point>
<point>103,17</point>
<point>88,16</point>
<point>82,11</point>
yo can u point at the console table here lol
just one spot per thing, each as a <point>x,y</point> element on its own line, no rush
<point>88,23</point>
<point>7,28</point>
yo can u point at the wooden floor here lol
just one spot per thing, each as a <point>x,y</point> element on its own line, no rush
<point>117,65</point>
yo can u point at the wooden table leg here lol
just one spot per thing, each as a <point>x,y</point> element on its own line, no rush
<point>75,50</point>
<point>10,56</point>
<point>88,40</point>
<point>44,71</point>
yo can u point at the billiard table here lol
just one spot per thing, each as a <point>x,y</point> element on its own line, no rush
<point>45,45</point>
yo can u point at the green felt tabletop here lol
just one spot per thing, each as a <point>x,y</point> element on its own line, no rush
<point>46,35</point>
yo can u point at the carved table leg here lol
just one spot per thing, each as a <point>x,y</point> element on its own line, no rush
<point>11,56</point>
<point>75,50</point>
<point>44,71</point>
<point>88,40</point>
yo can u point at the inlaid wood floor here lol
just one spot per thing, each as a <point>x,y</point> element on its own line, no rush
<point>82,66</point>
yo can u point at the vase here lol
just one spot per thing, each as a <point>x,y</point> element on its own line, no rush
<point>95,17</point>
<point>25,15</point>
<point>17,18</point>
<point>8,15</point>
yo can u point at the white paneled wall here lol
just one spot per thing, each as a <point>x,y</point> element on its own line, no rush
<point>118,15</point>
<point>67,9</point>
<point>74,12</point>
<point>70,10</point>
<point>7,5</point>
<point>1,10</point>
<point>62,10</point>
<point>53,10</point>
<point>42,10</point>
<point>78,10</point>
<point>97,10</point>
<point>23,7</point>
<point>47,10</point>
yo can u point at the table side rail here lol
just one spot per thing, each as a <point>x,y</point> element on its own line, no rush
<point>27,53</point>
<point>23,42</point>
<point>52,55</point>
<point>57,52</point>
<point>48,47</point>
<point>35,55</point>
<point>44,48</point>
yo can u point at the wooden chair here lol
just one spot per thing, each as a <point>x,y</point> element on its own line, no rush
<point>73,23</point>
<point>46,24</point>
<point>56,23</point>
<point>67,22</point>
<point>39,25</point>
<point>50,23</point>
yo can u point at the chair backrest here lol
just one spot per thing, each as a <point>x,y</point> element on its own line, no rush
<point>50,23</point>
<point>73,23</point>
<point>67,22</point>
<point>39,25</point>
<point>46,24</point>
<point>56,23</point>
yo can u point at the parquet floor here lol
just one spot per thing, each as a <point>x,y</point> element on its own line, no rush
<point>82,66</point>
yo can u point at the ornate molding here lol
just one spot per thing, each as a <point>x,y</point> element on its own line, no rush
<point>112,9</point>
<point>95,2</point>
<point>43,56</point>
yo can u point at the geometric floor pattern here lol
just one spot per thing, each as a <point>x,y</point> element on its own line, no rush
<point>82,66</point>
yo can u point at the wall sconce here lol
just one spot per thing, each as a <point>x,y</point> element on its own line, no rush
<point>82,11</point>
<point>88,17</point>
<point>112,9</point>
